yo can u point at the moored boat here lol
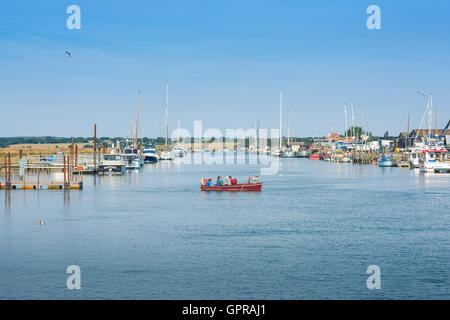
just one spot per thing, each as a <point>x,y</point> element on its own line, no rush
<point>314,156</point>
<point>386,161</point>
<point>112,163</point>
<point>234,187</point>
<point>149,153</point>
<point>302,153</point>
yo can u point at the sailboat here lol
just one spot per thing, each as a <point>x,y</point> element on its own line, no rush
<point>167,155</point>
<point>278,152</point>
<point>131,154</point>
<point>288,153</point>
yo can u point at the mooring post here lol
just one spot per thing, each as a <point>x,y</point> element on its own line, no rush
<point>6,172</point>
<point>64,170</point>
<point>9,168</point>
<point>76,155</point>
<point>95,148</point>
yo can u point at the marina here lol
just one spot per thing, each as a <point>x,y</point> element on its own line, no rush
<point>301,153</point>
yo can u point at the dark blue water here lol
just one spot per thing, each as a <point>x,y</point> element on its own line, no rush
<point>310,234</point>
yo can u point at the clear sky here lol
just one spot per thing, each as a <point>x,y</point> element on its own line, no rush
<point>225,61</point>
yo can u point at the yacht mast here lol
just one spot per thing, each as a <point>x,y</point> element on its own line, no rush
<point>167,113</point>
<point>430,114</point>
<point>281,118</point>
<point>346,128</point>
<point>137,120</point>
<point>289,130</point>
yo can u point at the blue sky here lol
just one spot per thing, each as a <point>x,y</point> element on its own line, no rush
<point>225,61</point>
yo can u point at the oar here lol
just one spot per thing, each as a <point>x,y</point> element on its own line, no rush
<point>243,187</point>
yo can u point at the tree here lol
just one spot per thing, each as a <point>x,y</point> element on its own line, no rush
<point>354,132</point>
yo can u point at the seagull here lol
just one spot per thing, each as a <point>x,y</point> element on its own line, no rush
<point>68,53</point>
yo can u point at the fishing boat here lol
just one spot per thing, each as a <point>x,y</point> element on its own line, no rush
<point>314,156</point>
<point>385,161</point>
<point>429,162</point>
<point>234,187</point>
<point>149,153</point>
<point>113,164</point>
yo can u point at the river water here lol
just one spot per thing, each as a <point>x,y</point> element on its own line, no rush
<point>310,233</point>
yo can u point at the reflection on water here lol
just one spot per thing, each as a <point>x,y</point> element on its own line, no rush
<point>310,233</point>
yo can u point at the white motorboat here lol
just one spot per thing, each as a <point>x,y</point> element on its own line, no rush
<point>288,154</point>
<point>277,153</point>
<point>177,151</point>
<point>149,153</point>
<point>414,159</point>
<point>133,158</point>
<point>166,155</point>
<point>112,163</point>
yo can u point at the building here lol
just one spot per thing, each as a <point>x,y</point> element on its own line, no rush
<point>406,140</point>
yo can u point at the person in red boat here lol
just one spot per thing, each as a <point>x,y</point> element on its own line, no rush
<point>252,179</point>
<point>233,181</point>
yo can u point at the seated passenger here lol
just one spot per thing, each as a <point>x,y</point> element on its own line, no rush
<point>234,181</point>
<point>227,181</point>
<point>203,182</point>
<point>219,181</point>
<point>252,179</point>
<point>208,183</point>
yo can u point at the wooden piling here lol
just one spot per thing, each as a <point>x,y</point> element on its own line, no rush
<point>76,155</point>
<point>64,170</point>
<point>95,147</point>
<point>9,167</point>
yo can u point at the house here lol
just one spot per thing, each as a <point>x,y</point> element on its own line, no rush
<point>406,140</point>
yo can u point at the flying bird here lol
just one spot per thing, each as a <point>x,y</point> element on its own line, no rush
<point>68,53</point>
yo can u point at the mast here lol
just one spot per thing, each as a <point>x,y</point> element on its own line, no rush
<point>430,114</point>
<point>281,118</point>
<point>137,120</point>
<point>346,127</point>
<point>131,130</point>
<point>167,113</point>
<point>289,130</point>
<point>435,117</point>
<point>353,123</point>
<point>257,135</point>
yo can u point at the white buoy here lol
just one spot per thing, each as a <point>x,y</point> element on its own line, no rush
<point>42,222</point>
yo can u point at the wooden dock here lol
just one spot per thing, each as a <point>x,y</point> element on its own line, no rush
<point>41,186</point>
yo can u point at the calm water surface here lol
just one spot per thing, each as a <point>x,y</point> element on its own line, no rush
<point>310,234</point>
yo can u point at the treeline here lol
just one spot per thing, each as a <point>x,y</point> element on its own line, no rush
<point>7,141</point>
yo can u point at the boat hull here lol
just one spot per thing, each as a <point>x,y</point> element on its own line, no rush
<point>235,187</point>
<point>150,158</point>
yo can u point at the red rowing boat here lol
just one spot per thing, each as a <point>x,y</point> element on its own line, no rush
<point>234,187</point>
